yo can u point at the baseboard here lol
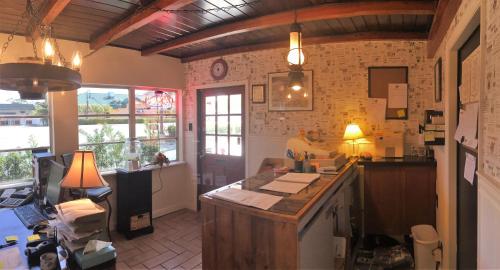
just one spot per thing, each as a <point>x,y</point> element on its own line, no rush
<point>167,210</point>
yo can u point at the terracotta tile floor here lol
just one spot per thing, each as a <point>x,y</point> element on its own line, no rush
<point>175,244</point>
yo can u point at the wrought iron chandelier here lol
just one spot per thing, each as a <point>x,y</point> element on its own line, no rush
<point>33,76</point>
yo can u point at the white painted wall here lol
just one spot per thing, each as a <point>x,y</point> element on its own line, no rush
<point>114,66</point>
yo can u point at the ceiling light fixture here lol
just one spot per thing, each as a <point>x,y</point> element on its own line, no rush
<point>33,77</point>
<point>295,58</point>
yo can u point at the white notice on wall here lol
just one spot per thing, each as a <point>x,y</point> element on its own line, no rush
<point>467,125</point>
<point>397,96</point>
<point>375,110</point>
<point>470,168</point>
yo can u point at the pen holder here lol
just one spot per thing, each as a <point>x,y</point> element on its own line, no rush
<point>298,166</point>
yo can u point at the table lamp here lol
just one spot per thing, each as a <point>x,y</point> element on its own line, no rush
<point>353,132</point>
<point>83,173</point>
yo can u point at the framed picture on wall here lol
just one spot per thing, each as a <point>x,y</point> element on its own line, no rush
<point>282,98</point>
<point>258,93</point>
<point>438,80</point>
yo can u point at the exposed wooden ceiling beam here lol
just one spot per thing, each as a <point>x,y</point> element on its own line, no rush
<point>47,13</point>
<point>311,41</point>
<point>136,20</point>
<point>315,13</point>
<point>445,12</point>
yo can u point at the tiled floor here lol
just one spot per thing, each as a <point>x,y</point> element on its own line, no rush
<point>175,244</point>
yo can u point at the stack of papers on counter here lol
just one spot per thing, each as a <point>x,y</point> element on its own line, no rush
<point>78,222</point>
<point>248,198</point>
<point>291,182</point>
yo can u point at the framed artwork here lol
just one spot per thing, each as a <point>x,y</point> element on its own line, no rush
<point>438,80</point>
<point>385,82</point>
<point>278,92</point>
<point>258,93</point>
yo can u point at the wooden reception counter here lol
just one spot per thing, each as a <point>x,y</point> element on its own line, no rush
<point>297,232</point>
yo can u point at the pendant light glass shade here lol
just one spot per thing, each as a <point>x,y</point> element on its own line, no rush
<point>295,55</point>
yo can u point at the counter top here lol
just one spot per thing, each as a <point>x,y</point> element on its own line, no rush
<point>407,160</point>
<point>292,206</point>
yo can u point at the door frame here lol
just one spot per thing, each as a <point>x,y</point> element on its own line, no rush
<point>243,83</point>
<point>472,17</point>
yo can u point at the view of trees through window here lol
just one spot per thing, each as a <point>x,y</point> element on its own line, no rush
<point>105,122</point>
<point>24,127</point>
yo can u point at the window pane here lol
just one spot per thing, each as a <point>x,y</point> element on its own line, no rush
<point>235,125</point>
<point>100,129</point>
<point>149,126</point>
<point>222,124</point>
<point>222,104</point>
<point>210,144</point>
<point>235,105</point>
<point>24,133</point>
<point>235,146</point>
<point>210,124</point>
<point>108,156</point>
<point>210,105</point>
<point>15,165</point>
<point>150,148</point>
<point>222,145</point>
<point>155,102</point>
<point>102,101</point>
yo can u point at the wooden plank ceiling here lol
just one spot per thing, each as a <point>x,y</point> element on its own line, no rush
<point>191,32</point>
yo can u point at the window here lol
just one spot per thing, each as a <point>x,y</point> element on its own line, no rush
<point>106,121</point>
<point>24,127</point>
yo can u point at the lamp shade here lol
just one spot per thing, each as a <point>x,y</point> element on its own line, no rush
<point>353,132</point>
<point>83,172</point>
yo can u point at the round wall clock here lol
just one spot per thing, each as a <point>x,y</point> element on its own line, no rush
<point>218,69</point>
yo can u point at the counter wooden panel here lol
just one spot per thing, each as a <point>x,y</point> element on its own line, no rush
<point>241,237</point>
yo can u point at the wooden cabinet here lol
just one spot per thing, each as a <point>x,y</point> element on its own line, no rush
<point>399,195</point>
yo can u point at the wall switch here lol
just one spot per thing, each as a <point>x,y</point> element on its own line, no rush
<point>340,247</point>
<point>190,126</point>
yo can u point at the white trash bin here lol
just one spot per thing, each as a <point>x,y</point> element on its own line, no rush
<point>425,240</point>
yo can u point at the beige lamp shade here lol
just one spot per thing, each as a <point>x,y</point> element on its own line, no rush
<point>83,172</point>
<point>353,132</point>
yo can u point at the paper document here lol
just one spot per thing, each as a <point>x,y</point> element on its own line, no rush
<point>304,178</point>
<point>467,126</point>
<point>10,258</point>
<point>397,95</point>
<point>470,168</point>
<point>248,198</point>
<point>286,187</point>
<point>376,111</point>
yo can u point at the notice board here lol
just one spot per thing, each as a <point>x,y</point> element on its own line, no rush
<point>379,79</point>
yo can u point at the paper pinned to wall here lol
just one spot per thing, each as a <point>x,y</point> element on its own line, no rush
<point>397,96</point>
<point>467,126</point>
<point>376,111</point>
<point>470,168</point>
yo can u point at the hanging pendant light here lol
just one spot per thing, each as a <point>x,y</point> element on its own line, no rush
<point>33,77</point>
<point>295,58</point>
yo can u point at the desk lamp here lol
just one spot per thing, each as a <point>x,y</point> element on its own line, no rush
<point>353,132</point>
<point>83,173</point>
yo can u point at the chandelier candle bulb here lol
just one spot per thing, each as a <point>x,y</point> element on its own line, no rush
<point>76,63</point>
<point>48,51</point>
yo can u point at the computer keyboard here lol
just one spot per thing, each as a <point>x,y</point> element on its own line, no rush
<point>29,215</point>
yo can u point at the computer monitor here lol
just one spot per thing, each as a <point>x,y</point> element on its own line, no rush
<point>53,192</point>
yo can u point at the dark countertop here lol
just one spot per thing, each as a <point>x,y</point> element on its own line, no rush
<point>407,160</point>
<point>292,205</point>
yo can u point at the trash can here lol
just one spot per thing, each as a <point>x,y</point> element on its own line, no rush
<point>425,241</point>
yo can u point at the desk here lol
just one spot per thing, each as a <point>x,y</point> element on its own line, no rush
<point>296,232</point>
<point>11,225</point>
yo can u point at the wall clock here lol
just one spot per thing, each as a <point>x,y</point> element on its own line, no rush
<point>219,69</point>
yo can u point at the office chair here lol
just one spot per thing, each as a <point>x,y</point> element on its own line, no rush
<point>96,195</point>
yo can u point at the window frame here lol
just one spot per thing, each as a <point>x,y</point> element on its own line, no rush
<point>132,117</point>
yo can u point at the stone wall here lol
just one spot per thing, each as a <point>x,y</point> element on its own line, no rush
<point>340,87</point>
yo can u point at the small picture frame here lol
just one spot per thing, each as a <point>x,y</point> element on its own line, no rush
<point>259,93</point>
<point>438,80</point>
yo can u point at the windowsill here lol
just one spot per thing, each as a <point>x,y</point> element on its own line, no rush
<point>153,167</point>
<point>20,184</point>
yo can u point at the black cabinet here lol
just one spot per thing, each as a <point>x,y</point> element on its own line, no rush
<point>134,202</point>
